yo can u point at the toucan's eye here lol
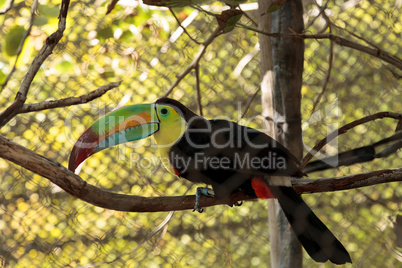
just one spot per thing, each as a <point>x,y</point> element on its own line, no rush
<point>164,111</point>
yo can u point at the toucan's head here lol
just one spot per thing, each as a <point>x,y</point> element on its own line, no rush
<point>166,119</point>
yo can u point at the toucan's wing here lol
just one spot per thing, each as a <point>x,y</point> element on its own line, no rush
<point>225,155</point>
<point>222,144</point>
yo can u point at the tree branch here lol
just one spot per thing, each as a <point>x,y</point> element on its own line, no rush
<point>111,6</point>
<point>74,185</point>
<point>321,12</point>
<point>21,45</point>
<point>357,155</point>
<point>184,28</point>
<point>34,107</point>
<point>6,9</point>
<point>376,52</point>
<point>330,60</point>
<point>42,55</point>
<point>249,102</point>
<point>198,88</point>
<point>196,60</point>
<point>347,182</point>
<point>326,80</point>
<point>343,130</point>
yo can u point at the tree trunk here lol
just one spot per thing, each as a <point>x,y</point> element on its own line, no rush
<point>281,81</point>
<point>267,86</point>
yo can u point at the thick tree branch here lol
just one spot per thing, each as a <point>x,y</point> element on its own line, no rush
<point>347,182</point>
<point>34,107</point>
<point>77,187</point>
<point>42,55</point>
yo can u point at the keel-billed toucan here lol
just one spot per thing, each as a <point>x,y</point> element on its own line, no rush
<point>221,153</point>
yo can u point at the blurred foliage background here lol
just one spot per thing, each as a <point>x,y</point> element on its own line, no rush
<point>143,46</point>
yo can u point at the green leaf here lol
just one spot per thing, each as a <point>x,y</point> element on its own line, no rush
<point>276,5</point>
<point>2,3</point>
<point>2,77</point>
<point>40,21</point>
<point>105,33</point>
<point>49,11</point>
<point>13,40</point>
<point>273,8</point>
<point>65,67</point>
<point>231,23</point>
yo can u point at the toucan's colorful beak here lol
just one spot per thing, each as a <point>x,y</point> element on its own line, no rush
<point>129,123</point>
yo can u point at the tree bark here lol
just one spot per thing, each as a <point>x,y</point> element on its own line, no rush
<point>267,83</point>
<point>77,187</point>
<point>288,57</point>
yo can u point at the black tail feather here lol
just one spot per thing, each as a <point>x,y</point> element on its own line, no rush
<point>316,238</point>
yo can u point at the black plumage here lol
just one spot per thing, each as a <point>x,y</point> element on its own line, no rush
<point>229,156</point>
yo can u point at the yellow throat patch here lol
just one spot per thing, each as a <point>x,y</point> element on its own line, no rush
<point>171,127</point>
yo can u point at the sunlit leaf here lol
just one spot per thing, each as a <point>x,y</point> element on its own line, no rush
<point>13,40</point>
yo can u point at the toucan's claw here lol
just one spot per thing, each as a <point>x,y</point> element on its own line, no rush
<point>238,203</point>
<point>201,191</point>
<point>200,210</point>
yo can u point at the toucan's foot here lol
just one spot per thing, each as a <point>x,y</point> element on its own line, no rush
<point>201,191</point>
<point>237,203</point>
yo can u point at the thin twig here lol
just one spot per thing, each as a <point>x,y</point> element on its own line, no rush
<point>383,204</point>
<point>322,10</point>
<point>34,107</point>
<point>249,18</point>
<point>24,38</point>
<point>181,26</point>
<point>196,60</point>
<point>376,52</point>
<point>358,37</point>
<point>151,234</point>
<point>111,6</point>
<point>249,102</point>
<point>343,130</point>
<point>197,83</point>
<point>395,74</point>
<point>327,77</point>
<point>42,55</point>
<point>357,155</point>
